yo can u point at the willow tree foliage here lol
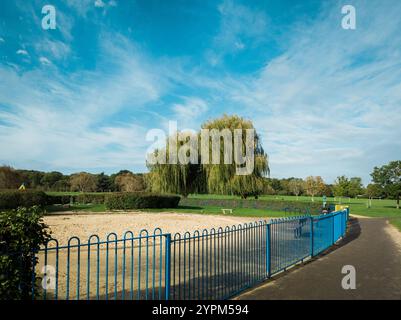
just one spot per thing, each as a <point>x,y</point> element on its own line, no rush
<point>175,178</point>
<point>223,178</point>
<point>208,171</point>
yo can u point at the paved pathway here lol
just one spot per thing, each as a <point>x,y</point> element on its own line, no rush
<point>368,247</point>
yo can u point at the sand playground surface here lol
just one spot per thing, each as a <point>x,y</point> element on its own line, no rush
<point>66,225</point>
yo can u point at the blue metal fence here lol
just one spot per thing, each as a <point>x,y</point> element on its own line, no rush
<point>208,264</point>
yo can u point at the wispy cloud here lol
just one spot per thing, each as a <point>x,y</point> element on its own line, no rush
<point>240,26</point>
<point>331,102</point>
<point>47,114</point>
<point>190,111</point>
<point>22,52</point>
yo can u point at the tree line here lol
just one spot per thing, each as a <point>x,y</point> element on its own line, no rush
<point>124,180</point>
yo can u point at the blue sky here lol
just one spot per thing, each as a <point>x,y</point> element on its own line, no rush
<point>326,101</point>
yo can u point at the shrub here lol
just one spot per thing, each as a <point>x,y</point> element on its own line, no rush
<point>86,198</point>
<point>27,198</point>
<point>56,199</point>
<point>22,232</point>
<point>124,201</point>
<point>274,205</point>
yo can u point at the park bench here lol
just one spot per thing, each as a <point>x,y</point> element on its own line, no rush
<point>227,210</point>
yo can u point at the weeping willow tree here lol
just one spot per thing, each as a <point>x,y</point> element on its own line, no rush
<point>225,157</point>
<point>177,178</point>
<point>223,178</point>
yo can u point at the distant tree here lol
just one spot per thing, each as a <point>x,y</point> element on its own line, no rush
<point>328,190</point>
<point>129,182</point>
<point>275,184</point>
<point>341,187</point>
<point>355,187</point>
<point>61,185</point>
<point>104,183</point>
<point>32,178</point>
<point>374,190</point>
<point>9,178</point>
<point>83,182</point>
<point>296,186</point>
<point>389,178</point>
<point>50,178</point>
<point>314,186</point>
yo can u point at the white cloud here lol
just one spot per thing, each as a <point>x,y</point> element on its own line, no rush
<point>45,61</point>
<point>99,4</point>
<point>189,112</point>
<point>63,121</point>
<point>22,52</point>
<point>239,24</point>
<point>56,49</point>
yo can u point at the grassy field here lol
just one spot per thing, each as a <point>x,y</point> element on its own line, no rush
<point>380,208</point>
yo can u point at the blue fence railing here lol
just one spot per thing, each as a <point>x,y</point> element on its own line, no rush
<point>215,264</point>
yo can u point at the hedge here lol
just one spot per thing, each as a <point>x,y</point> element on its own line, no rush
<point>135,200</point>
<point>274,205</point>
<point>83,198</point>
<point>26,198</point>
<point>22,232</point>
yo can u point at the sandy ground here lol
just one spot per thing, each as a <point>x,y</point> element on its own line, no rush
<point>124,269</point>
<point>83,225</point>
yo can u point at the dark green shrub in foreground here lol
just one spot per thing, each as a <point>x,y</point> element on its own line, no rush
<point>22,198</point>
<point>22,232</point>
<point>124,201</point>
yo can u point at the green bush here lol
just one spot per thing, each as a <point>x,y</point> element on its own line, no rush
<point>86,198</point>
<point>83,198</point>
<point>19,198</point>
<point>22,232</point>
<point>53,199</point>
<point>132,200</point>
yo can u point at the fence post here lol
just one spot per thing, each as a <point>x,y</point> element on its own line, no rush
<point>168,264</point>
<point>311,236</point>
<point>268,250</point>
<point>332,229</point>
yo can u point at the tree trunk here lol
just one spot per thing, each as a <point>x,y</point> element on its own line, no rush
<point>398,202</point>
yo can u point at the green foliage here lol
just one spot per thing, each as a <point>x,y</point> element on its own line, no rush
<point>22,232</point>
<point>197,176</point>
<point>275,205</point>
<point>13,199</point>
<point>127,200</point>
<point>389,178</point>
<point>9,178</point>
<point>87,198</point>
<point>374,191</point>
<point>104,183</point>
